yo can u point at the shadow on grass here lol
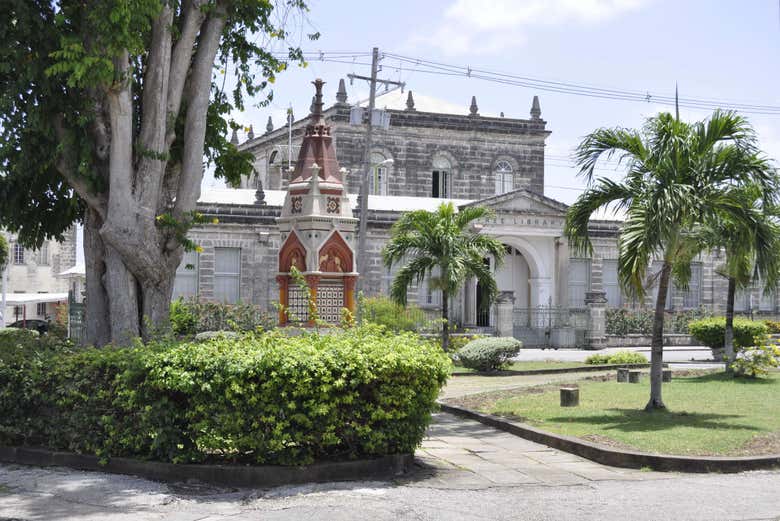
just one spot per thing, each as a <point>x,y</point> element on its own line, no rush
<point>633,420</point>
<point>722,377</point>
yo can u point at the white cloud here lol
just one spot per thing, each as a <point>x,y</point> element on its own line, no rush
<point>489,26</point>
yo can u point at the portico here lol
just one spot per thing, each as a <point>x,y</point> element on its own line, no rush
<point>533,273</point>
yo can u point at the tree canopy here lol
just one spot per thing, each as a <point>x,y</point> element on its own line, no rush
<point>107,111</point>
<point>680,176</point>
<point>443,247</point>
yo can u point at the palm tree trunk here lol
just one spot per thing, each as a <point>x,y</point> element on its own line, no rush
<point>728,334</point>
<point>657,346</point>
<point>445,313</point>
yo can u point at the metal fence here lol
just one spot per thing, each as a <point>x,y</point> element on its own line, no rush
<point>551,326</point>
<point>76,321</point>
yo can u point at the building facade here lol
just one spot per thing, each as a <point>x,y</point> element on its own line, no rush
<point>467,159</point>
<point>35,285</point>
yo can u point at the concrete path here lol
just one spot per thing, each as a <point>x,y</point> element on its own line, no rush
<point>671,354</point>
<point>466,472</point>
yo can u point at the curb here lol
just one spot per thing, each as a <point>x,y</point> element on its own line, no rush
<point>619,458</point>
<point>264,476</point>
<point>560,370</point>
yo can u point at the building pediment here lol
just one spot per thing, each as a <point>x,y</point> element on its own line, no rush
<point>522,201</point>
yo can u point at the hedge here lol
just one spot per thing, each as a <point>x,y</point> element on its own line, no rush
<point>711,332</point>
<point>618,357</point>
<point>264,398</point>
<point>489,353</point>
<point>15,336</point>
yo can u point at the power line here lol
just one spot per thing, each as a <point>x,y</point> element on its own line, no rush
<point>562,87</point>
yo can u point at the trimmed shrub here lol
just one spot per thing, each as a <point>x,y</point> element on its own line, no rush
<point>263,398</point>
<point>618,357</point>
<point>711,332</point>
<point>489,354</point>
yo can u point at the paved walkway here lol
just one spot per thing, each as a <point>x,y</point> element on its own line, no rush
<point>465,471</point>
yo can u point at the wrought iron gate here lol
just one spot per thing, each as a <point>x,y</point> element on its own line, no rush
<point>551,327</point>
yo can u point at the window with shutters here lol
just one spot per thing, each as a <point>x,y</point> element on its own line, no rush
<point>227,264</point>
<point>579,282</point>
<point>692,296</point>
<point>42,256</point>
<point>611,283</point>
<point>18,253</point>
<point>379,175</point>
<point>185,284</point>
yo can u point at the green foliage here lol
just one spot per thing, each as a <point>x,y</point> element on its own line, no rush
<point>395,317</point>
<point>194,316</point>
<point>773,327</point>
<point>184,321</point>
<point>711,332</point>
<point>489,353</point>
<point>618,357</point>
<point>621,321</point>
<point>263,398</point>
<point>458,342</point>
<point>13,336</point>
<point>624,322</point>
<point>756,361</point>
<point>3,252</point>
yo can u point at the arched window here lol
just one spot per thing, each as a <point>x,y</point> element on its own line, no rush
<point>505,177</point>
<point>379,174</point>
<point>441,179</point>
<point>272,159</point>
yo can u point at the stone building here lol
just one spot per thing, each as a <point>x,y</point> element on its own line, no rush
<point>35,284</point>
<point>420,159</point>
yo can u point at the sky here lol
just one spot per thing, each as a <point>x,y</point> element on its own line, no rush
<point>711,49</point>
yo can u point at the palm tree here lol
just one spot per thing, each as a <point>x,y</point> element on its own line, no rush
<point>443,246</point>
<point>678,176</point>
<point>751,245</point>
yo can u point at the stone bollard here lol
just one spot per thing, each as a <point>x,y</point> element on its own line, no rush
<point>570,396</point>
<point>634,375</point>
<point>622,375</point>
<point>666,376</point>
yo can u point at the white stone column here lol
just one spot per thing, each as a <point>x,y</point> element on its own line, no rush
<point>541,291</point>
<point>505,304</point>
<point>470,302</point>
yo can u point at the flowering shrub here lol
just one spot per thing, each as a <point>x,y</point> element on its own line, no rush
<point>756,361</point>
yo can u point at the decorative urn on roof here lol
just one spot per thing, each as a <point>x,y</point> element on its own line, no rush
<point>317,230</point>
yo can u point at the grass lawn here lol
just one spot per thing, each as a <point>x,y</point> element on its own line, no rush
<point>528,366</point>
<point>708,415</point>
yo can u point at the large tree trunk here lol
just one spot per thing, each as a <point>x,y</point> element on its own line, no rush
<point>657,345</point>
<point>445,316</point>
<point>96,315</point>
<point>728,334</point>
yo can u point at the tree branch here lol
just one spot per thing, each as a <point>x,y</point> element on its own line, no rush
<point>151,140</point>
<point>197,107</point>
<point>181,61</point>
<point>65,164</point>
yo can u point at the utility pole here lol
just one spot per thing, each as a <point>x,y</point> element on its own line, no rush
<point>362,252</point>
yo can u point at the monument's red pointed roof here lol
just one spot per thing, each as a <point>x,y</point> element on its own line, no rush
<point>317,146</point>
